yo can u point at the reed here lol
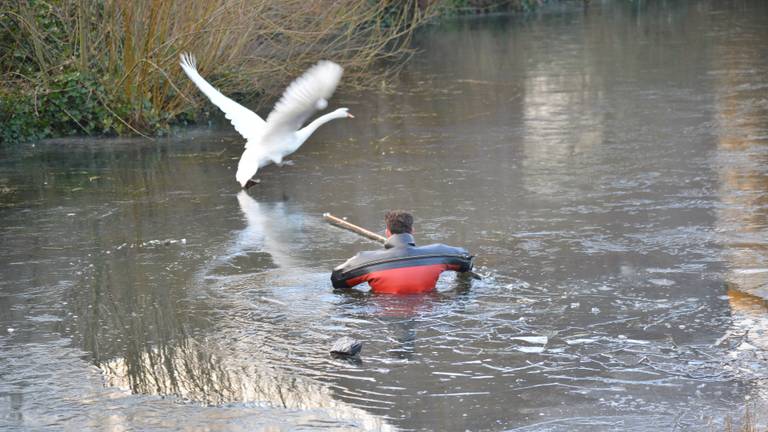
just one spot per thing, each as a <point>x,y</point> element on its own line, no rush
<point>120,57</point>
<point>750,421</point>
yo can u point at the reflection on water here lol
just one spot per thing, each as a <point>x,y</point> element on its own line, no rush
<point>748,340</point>
<point>742,165</point>
<point>563,117</point>
<point>742,159</point>
<point>750,318</point>
<point>266,228</point>
<point>403,315</point>
<point>607,166</point>
<point>211,375</point>
<point>265,243</point>
<point>240,369</point>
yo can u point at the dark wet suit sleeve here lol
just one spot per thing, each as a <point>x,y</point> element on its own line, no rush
<point>467,262</point>
<point>339,275</point>
<point>338,280</point>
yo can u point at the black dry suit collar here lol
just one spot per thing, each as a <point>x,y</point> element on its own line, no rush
<point>399,240</point>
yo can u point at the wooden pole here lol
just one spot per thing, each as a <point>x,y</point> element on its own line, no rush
<point>341,223</point>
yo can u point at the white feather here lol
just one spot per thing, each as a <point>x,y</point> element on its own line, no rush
<point>303,97</point>
<point>245,121</point>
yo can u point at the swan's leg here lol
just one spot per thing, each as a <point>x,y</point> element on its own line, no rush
<point>277,160</point>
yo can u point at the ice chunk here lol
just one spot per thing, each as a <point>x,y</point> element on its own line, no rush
<point>538,340</point>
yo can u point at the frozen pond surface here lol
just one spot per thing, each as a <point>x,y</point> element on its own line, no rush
<point>609,166</point>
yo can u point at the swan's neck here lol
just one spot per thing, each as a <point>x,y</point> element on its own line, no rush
<point>309,129</point>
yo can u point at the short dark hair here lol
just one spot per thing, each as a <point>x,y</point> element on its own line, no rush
<point>399,221</point>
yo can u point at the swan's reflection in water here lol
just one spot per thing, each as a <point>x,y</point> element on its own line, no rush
<point>256,352</point>
<point>271,232</point>
<point>272,229</point>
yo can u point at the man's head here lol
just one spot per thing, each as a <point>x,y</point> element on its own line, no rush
<point>398,222</point>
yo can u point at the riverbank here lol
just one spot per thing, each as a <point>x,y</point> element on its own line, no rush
<point>87,67</point>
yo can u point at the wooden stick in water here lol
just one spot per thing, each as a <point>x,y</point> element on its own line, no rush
<point>341,223</point>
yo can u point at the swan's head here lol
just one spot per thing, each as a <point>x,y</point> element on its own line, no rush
<point>343,113</point>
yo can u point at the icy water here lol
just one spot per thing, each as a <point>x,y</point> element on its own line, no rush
<point>609,167</point>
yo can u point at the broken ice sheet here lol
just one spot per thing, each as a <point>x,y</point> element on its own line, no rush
<point>532,350</point>
<point>580,341</point>
<point>662,282</point>
<point>539,340</point>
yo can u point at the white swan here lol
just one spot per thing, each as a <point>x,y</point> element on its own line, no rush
<point>279,136</point>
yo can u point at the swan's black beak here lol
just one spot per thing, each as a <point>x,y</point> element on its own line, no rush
<point>250,183</point>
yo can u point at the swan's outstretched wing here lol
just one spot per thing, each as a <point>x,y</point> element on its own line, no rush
<point>245,121</point>
<point>307,94</point>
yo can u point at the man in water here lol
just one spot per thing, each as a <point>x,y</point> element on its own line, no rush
<point>401,268</point>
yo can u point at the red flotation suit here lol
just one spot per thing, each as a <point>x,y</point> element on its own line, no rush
<point>401,268</point>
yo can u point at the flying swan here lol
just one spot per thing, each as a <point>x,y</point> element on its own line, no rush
<point>282,134</point>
